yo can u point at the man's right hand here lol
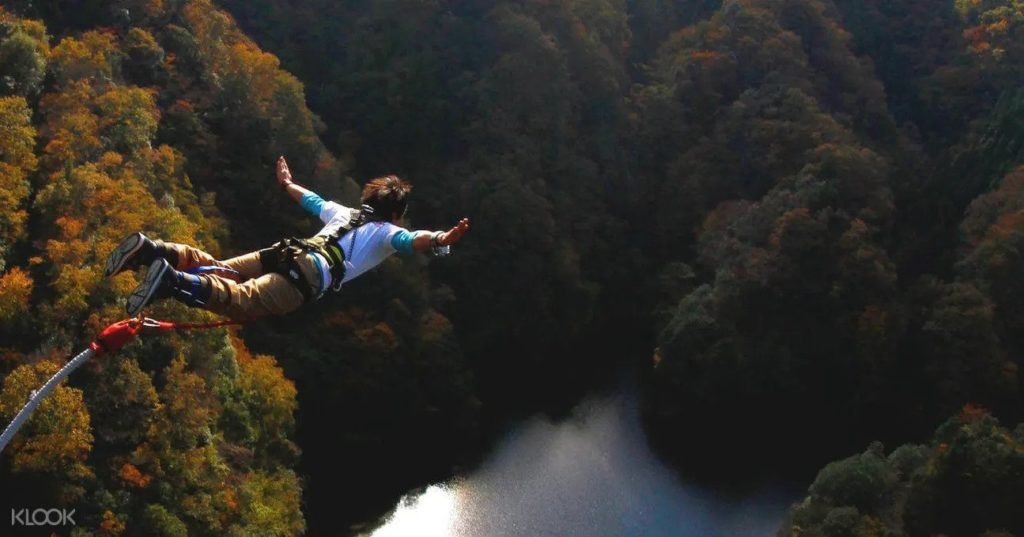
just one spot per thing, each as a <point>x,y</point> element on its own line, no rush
<point>284,175</point>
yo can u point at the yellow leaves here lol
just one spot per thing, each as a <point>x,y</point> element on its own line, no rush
<point>272,503</point>
<point>19,138</point>
<point>90,57</point>
<point>37,30</point>
<point>128,117</point>
<point>265,388</point>
<point>14,191</point>
<point>187,404</point>
<point>16,161</point>
<point>56,438</point>
<point>269,398</point>
<point>15,289</point>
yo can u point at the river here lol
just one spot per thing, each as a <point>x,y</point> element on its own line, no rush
<point>591,475</point>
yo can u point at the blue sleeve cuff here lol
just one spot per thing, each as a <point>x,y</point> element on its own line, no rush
<point>312,203</point>
<point>402,242</point>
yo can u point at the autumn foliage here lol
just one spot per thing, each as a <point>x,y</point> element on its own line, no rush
<point>811,208</point>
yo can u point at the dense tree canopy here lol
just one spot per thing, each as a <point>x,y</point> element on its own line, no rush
<point>966,481</point>
<point>810,209</point>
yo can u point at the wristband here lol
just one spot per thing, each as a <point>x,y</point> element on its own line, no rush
<point>434,242</point>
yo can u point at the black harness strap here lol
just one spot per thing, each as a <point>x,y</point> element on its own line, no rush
<point>282,256</point>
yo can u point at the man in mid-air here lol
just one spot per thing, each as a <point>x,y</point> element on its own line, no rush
<point>282,278</point>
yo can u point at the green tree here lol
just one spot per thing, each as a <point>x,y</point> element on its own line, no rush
<point>24,47</point>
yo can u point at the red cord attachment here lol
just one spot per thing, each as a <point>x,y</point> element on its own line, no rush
<point>117,335</point>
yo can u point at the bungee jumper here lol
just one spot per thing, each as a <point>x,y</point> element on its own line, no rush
<point>272,281</point>
<point>292,272</point>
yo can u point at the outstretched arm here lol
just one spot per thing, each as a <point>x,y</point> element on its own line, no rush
<point>308,199</point>
<point>423,241</point>
<point>407,242</point>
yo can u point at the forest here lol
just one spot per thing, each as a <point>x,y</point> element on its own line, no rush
<point>799,222</point>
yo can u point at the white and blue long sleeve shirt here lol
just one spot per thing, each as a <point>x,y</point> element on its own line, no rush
<point>365,247</point>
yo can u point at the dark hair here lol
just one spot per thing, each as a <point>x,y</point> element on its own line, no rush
<point>387,195</point>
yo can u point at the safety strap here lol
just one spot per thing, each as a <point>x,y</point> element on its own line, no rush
<point>166,326</point>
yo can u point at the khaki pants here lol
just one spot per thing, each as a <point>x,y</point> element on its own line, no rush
<point>251,292</point>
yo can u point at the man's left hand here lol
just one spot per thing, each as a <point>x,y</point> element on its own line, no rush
<point>453,235</point>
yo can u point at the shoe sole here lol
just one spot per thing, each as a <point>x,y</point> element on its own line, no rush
<point>142,294</point>
<point>124,251</point>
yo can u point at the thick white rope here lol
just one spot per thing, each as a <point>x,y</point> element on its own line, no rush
<point>37,396</point>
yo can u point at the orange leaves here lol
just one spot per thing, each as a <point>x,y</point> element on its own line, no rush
<point>71,129</point>
<point>134,477</point>
<point>75,279</point>
<point>92,211</point>
<point>971,413</point>
<point>976,39</point>
<point>15,289</point>
<point>379,337</point>
<point>994,28</point>
<point>1011,223</point>
<point>706,56</point>
<point>998,28</point>
<point>787,220</point>
<point>111,525</point>
<point>369,332</point>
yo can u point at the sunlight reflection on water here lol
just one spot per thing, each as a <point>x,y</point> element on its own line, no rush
<point>592,475</point>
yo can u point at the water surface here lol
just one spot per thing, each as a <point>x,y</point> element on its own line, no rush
<point>591,475</point>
